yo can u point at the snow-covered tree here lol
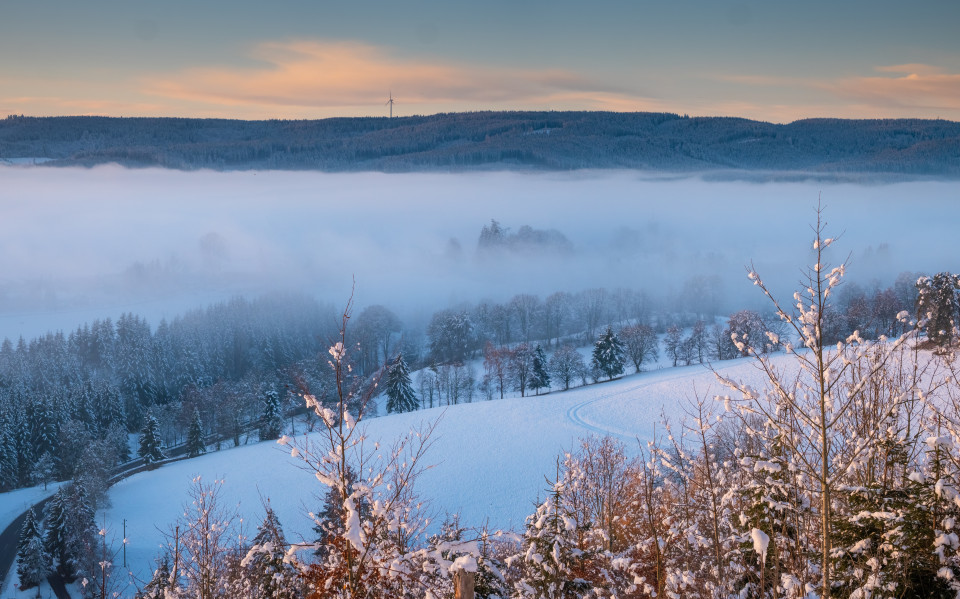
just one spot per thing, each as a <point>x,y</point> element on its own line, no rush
<point>375,554</point>
<point>195,443</point>
<point>56,532</point>
<point>539,378</point>
<point>33,561</point>
<point>552,560</point>
<point>266,572</point>
<point>938,308</point>
<point>819,412</point>
<point>400,395</point>
<point>271,421</point>
<point>520,367</point>
<point>566,365</point>
<point>608,354</point>
<point>640,344</point>
<point>149,444</point>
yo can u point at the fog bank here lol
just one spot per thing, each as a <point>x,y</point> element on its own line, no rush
<point>78,244</point>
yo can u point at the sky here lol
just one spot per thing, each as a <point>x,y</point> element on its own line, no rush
<point>294,59</point>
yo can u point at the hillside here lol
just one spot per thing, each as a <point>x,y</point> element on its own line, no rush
<point>494,140</point>
<point>491,458</point>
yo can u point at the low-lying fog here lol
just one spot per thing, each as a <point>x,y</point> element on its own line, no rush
<point>79,244</point>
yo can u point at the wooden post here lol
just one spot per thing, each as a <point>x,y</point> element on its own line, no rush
<point>463,585</point>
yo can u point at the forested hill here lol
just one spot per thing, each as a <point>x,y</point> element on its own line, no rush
<point>492,140</point>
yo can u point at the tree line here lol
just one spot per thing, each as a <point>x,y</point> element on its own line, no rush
<point>464,141</point>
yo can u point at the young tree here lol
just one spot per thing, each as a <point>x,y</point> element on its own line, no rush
<point>814,412</point>
<point>195,443</point>
<point>550,553</point>
<point>271,420</point>
<point>539,378</point>
<point>149,446</point>
<point>496,365</point>
<point>520,365</point>
<point>672,343</point>
<point>608,354</point>
<point>566,364</point>
<point>266,574</point>
<point>640,343</point>
<point>374,555</point>
<point>400,395</point>
<point>937,307</point>
<point>33,561</point>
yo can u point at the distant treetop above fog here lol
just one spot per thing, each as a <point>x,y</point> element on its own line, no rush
<point>527,239</point>
<point>493,140</point>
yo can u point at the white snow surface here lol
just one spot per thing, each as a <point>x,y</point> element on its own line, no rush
<point>490,458</point>
<point>14,503</point>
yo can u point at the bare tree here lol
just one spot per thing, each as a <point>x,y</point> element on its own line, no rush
<point>810,409</point>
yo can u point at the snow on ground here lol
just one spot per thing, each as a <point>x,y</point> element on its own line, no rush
<point>490,458</point>
<point>14,503</point>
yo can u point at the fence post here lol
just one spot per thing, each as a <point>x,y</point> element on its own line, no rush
<point>463,584</point>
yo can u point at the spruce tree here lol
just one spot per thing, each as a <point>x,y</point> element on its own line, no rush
<point>608,355</point>
<point>538,376</point>
<point>265,573</point>
<point>400,395</point>
<point>550,553</point>
<point>195,444</point>
<point>271,422</point>
<point>55,536</point>
<point>149,448</point>
<point>33,562</point>
<point>158,585</point>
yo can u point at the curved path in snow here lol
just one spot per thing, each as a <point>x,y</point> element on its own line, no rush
<point>584,414</point>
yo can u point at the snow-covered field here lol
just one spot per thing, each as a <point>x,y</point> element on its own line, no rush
<point>490,458</point>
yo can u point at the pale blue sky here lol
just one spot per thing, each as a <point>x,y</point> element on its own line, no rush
<point>769,60</point>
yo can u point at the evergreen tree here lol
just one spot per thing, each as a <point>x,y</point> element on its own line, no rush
<point>937,307</point>
<point>608,355</point>
<point>81,533</point>
<point>8,457</point>
<point>55,537</point>
<point>271,422</point>
<point>538,375</point>
<point>400,395</point>
<point>266,575</point>
<point>329,522</point>
<point>158,585</point>
<point>33,562</point>
<point>149,448</point>
<point>195,444</point>
<point>550,554</point>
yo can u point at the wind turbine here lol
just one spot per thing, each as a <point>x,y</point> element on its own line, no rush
<point>390,102</point>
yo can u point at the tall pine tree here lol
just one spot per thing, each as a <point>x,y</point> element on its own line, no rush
<point>149,448</point>
<point>55,537</point>
<point>195,444</point>
<point>271,422</point>
<point>400,395</point>
<point>33,561</point>
<point>266,574</point>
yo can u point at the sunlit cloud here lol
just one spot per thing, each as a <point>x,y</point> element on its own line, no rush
<point>314,74</point>
<point>912,87</point>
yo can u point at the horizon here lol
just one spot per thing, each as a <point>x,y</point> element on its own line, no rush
<point>299,60</point>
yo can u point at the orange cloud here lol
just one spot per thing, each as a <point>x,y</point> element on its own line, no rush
<point>342,74</point>
<point>919,87</point>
